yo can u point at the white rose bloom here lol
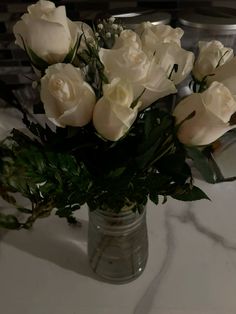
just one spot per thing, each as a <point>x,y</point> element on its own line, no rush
<point>67,98</point>
<point>156,85</point>
<point>128,62</point>
<point>151,35</point>
<point>132,65</point>
<point>113,115</point>
<point>169,54</point>
<point>226,74</point>
<point>128,38</point>
<point>47,31</point>
<point>213,110</point>
<point>212,54</point>
<point>10,119</point>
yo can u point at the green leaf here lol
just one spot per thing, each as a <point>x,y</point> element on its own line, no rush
<point>72,53</point>
<point>201,163</point>
<point>157,182</point>
<point>72,220</point>
<point>38,108</point>
<point>24,210</point>
<point>174,165</point>
<point>173,70</point>
<point>192,194</point>
<point>38,62</point>
<point>154,198</point>
<point>9,222</point>
<point>116,173</point>
<point>157,137</point>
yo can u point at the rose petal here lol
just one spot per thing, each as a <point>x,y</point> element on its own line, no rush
<point>112,125</point>
<point>48,40</point>
<point>80,115</point>
<point>203,128</point>
<point>127,63</point>
<point>225,74</point>
<point>20,30</point>
<point>218,99</point>
<point>170,54</point>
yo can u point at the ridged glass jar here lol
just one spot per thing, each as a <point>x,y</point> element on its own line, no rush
<point>117,244</point>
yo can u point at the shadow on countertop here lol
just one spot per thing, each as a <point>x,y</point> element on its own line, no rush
<point>54,240</point>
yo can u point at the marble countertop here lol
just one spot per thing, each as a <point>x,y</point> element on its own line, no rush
<point>191,267</point>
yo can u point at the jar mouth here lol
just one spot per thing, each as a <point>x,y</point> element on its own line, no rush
<point>117,223</point>
<point>122,213</point>
<point>216,19</point>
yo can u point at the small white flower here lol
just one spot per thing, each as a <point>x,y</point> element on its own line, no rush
<point>34,84</point>
<point>97,35</point>
<point>108,35</point>
<point>120,28</point>
<point>111,19</point>
<point>115,26</point>
<point>100,26</point>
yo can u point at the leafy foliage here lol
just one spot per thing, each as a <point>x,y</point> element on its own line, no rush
<point>68,167</point>
<point>73,166</point>
<point>46,178</point>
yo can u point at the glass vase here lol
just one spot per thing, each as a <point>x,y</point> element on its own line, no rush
<point>117,244</point>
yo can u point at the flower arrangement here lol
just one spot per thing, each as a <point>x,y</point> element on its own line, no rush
<point>106,140</point>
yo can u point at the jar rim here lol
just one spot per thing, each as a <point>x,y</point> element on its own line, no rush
<point>115,223</point>
<point>208,19</point>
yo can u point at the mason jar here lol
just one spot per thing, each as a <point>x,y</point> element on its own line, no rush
<point>117,244</point>
<point>132,17</point>
<point>206,24</point>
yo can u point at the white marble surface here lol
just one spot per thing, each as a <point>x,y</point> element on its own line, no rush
<point>191,267</point>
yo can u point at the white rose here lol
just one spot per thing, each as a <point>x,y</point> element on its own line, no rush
<point>169,54</point>
<point>212,54</point>
<point>226,74</point>
<point>128,38</point>
<point>155,86</point>
<point>163,43</point>
<point>113,115</point>
<point>128,62</point>
<point>67,98</point>
<point>47,31</point>
<point>10,119</point>
<point>213,110</point>
<point>151,35</point>
<point>132,65</point>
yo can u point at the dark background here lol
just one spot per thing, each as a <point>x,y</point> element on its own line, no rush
<point>14,66</point>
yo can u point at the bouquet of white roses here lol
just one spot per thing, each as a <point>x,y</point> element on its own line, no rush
<point>106,141</point>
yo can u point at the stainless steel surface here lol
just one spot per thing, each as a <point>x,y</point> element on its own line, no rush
<point>132,17</point>
<point>203,22</point>
<point>206,24</point>
<point>137,17</point>
<point>213,18</point>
